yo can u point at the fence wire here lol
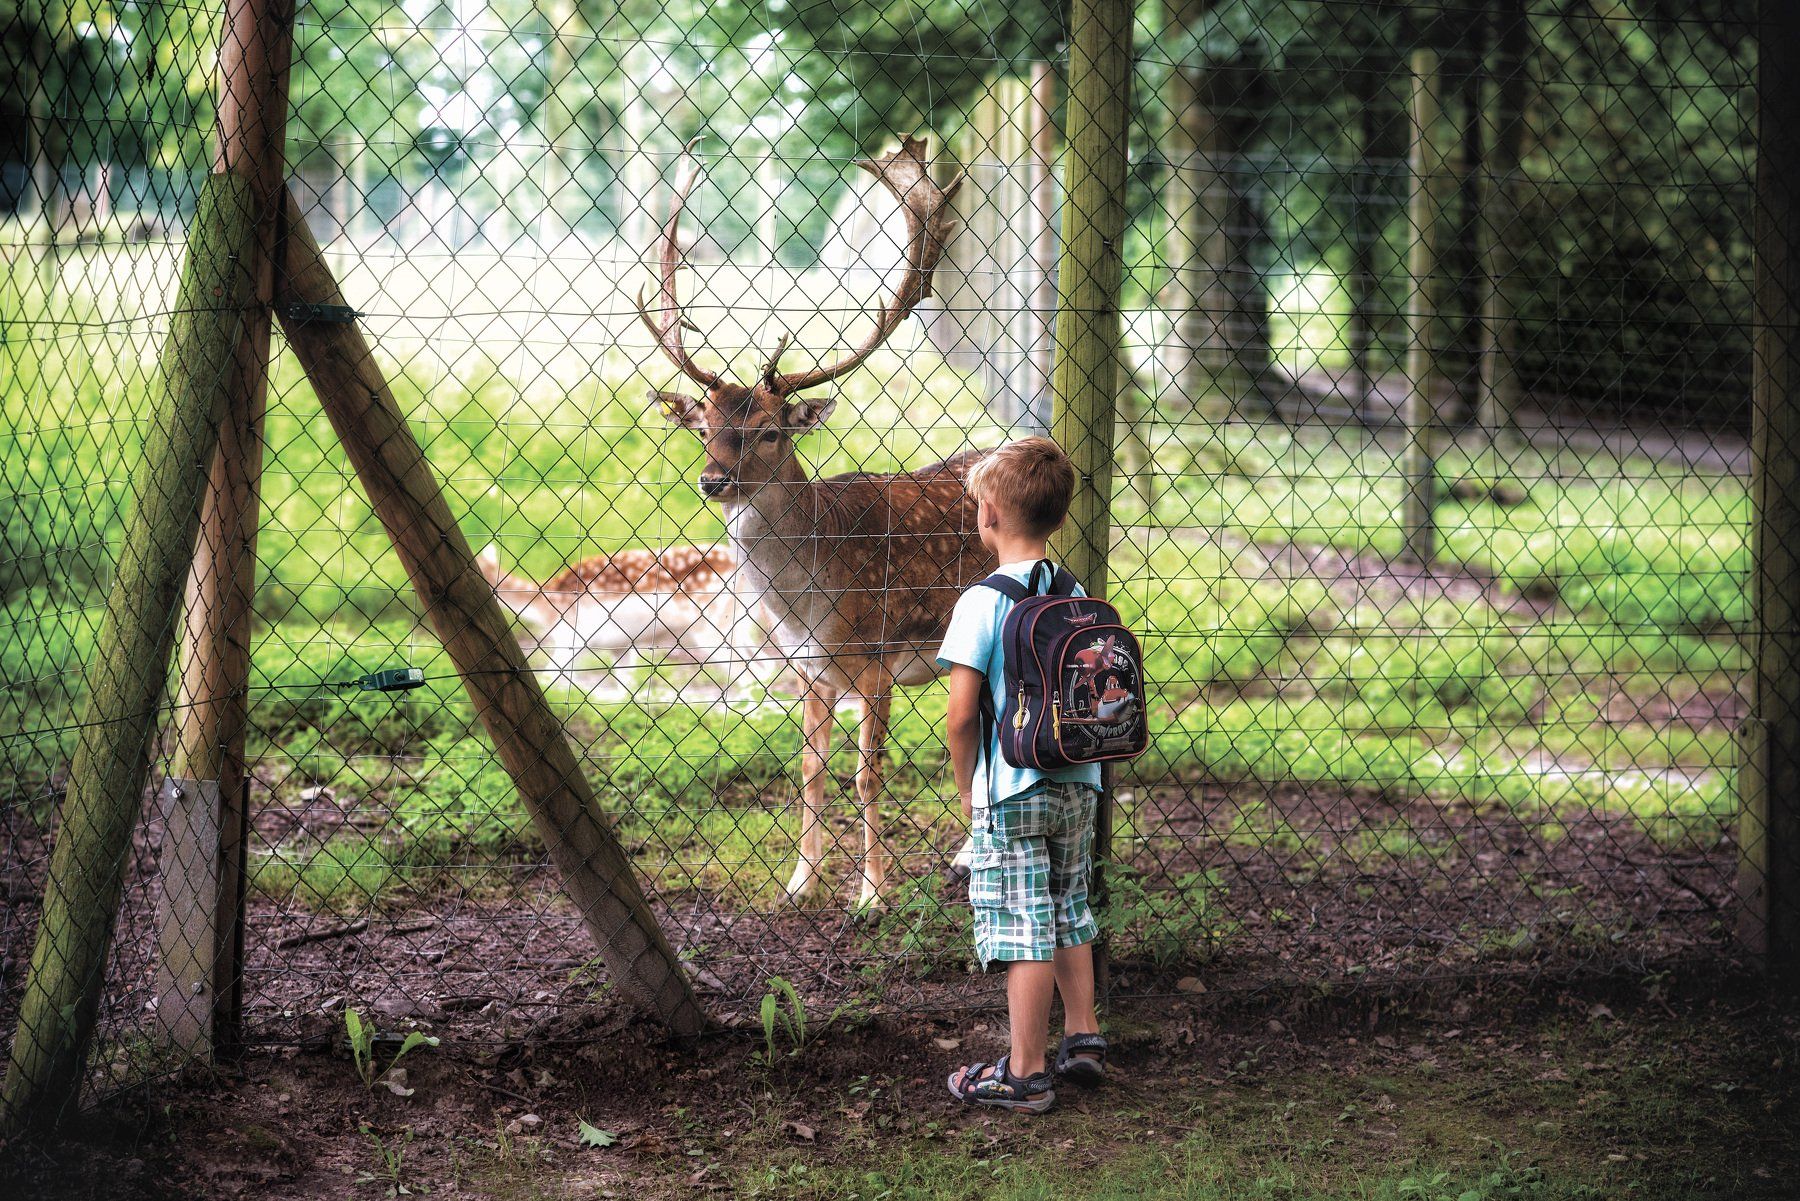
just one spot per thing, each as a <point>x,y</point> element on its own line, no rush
<point>1431,485</point>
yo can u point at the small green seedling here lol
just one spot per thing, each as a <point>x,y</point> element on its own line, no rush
<point>362,1050</point>
<point>782,1024</point>
<point>390,1155</point>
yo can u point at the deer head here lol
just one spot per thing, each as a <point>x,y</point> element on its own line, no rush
<point>749,430</point>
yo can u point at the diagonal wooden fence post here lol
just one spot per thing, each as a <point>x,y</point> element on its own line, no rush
<point>127,676</point>
<point>463,610</point>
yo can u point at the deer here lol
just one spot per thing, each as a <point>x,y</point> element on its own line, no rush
<point>856,573</point>
<point>673,599</point>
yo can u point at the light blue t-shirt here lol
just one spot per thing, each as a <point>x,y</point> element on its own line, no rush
<point>973,640</point>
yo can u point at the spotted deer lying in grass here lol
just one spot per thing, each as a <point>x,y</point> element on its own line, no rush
<point>858,573</point>
<point>672,602</point>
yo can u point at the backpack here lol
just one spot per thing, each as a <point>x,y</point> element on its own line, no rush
<point>1074,681</point>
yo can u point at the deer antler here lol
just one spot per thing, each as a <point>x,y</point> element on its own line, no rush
<point>928,227</point>
<point>668,334</point>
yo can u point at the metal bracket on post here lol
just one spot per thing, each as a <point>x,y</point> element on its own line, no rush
<point>187,917</point>
<point>303,313</point>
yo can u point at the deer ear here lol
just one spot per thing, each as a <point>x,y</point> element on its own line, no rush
<point>803,416</point>
<point>680,410</point>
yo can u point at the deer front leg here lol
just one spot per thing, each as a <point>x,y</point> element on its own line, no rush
<point>815,764</point>
<point>871,738</point>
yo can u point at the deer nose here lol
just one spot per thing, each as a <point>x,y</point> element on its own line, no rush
<point>714,485</point>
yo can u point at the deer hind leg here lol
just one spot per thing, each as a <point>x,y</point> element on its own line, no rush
<point>871,738</point>
<point>815,767</point>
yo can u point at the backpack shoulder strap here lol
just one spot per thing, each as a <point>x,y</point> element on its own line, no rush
<point>1006,586</point>
<point>1010,588</point>
<point>1062,583</point>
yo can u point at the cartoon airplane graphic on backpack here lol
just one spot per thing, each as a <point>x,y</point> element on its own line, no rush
<point>1113,701</point>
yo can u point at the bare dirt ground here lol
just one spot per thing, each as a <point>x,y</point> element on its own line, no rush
<point>1660,1088</point>
<point>1267,887</point>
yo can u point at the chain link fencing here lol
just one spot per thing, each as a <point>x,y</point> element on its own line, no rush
<point>1432,491</point>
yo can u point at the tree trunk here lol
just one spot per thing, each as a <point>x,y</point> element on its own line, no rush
<point>1217,353</point>
<point>37,127</point>
<point>1382,124</point>
<point>642,171</point>
<point>1196,354</point>
<point>1043,250</point>
<point>1501,384</point>
<point>562,125</point>
<point>1424,369</point>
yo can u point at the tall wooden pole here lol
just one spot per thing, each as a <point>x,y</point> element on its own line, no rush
<point>1043,242</point>
<point>126,678</point>
<point>1088,321</point>
<point>1769,822</point>
<point>529,739</point>
<point>199,981</point>
<point>1425,375</point>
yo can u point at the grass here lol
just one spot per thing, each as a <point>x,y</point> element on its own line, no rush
<point>1261,677</point>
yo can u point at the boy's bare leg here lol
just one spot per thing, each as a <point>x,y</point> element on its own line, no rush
<point>1030,987</point>
<point>1075,982</point>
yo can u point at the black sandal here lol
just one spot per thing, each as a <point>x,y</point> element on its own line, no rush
<point>1003,1090</point>
<point>1081,1059</point>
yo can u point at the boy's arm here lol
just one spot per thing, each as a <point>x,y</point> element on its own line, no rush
<point>963,730</point>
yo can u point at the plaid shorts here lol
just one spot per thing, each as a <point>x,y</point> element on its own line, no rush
<point>1032,856</point>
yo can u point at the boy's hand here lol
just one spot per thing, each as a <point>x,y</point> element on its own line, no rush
<point>962,731</point>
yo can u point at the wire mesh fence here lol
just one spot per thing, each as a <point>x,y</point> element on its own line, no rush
<point>1431,488</point>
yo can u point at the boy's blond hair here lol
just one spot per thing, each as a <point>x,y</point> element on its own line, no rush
<point>1031,479</point>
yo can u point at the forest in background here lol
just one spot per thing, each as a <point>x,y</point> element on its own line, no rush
<point>1603,147</point>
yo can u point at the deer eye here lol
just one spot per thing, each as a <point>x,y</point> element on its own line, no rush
<point>770,435</point>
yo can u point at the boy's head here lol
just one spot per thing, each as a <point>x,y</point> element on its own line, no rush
<point>1024,489</point>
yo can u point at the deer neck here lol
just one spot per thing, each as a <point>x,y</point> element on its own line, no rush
<point>778,508</point>
<point>776,537</point>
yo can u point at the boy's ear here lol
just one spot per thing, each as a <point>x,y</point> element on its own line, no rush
<point>681,410</point>
<point>806,414</point>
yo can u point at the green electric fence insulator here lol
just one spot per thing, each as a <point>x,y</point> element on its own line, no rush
<point>394,679</point>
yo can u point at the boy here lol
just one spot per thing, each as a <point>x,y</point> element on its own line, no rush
<point>1031,832</point>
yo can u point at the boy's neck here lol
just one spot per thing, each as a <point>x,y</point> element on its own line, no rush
<point>1021,548</point>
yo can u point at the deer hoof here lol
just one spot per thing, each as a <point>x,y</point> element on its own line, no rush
<point>804,883</point>
<point>869,907</point>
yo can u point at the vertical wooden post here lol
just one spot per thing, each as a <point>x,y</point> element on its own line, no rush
<point>1424,372</point>
<point>1497,231</point>
<point>1043,241</point>
<point>126,679</point>
<point>528,738</point>
<point>1088,322</point>
<point>199,981</point>
<point>1769,821</point>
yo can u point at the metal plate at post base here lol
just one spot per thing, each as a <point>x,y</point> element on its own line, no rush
<point>187,914</point>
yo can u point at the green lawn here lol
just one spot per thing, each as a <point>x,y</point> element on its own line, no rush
<point>1265,673</point>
